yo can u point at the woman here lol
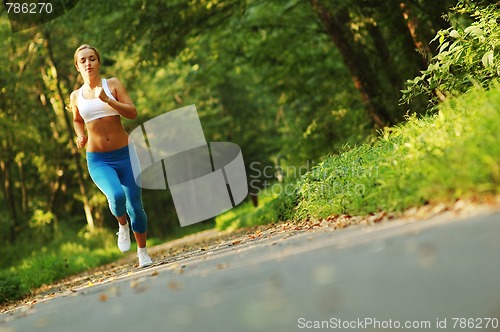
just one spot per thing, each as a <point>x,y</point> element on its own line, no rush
<point>97,107</point>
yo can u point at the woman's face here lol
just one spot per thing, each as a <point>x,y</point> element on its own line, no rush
<point>87,62</point>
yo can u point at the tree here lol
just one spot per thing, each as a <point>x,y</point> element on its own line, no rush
<point>363,28</point>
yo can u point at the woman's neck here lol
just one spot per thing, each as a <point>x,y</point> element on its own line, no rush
<point>93,81</point>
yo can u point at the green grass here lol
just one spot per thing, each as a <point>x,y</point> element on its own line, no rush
<point>68,255</point>
<point>246,214</point>
<point>452,154</point>
<point>437,158</point>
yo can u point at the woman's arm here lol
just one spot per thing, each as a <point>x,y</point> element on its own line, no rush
<point>78,123</point>
<point>123,103</point>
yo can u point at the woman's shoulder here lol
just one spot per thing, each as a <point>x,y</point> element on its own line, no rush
<point>74,94</point>
<point>113,81</point>
<point>73,98</point>
<point>114,84</point>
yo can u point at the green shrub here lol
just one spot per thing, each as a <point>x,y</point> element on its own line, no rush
<point>69,254</point>
<point>468,56</point>
<point>442,157</point>
<point>10,286</point>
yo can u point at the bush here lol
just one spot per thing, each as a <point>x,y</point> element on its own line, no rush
<point>70,254</point>
<point>442,157</point>
<point>10,286</point>
<point>467,56</point>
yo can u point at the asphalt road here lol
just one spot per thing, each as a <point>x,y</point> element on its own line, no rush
<point>426,275</point>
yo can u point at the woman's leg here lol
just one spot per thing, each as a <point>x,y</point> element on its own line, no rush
<point>107,180</point>
<point>134,205</point>
<point>135,210</point>
<point>141,239</point>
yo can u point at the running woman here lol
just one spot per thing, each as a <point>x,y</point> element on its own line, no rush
<point>97,107</point>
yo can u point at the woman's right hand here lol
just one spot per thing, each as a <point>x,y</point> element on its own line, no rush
<point>81,141</point>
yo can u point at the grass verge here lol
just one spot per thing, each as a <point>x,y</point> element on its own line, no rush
<point>68,255</point>
<point>70,252</point>
<point>437,158</point>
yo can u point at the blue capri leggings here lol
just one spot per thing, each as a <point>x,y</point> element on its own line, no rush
<point>112,173</point>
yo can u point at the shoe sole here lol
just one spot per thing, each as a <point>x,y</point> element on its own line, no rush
<point>145,265</point>
<point>122,250</point>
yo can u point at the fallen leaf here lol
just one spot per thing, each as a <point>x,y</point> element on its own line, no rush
<point>222,266</point>
<point>138,286</point>
<point>174,285</point>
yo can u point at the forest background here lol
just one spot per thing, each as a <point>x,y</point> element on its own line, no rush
<point>296,84</point>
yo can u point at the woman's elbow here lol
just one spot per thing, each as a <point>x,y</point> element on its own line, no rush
<point>78,122</point>
<point>133,114</point>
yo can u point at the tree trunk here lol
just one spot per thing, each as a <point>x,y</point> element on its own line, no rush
<point>436,11</point>
<point>337,27</point>
<point>69,128</point>
<point>384,54</point>
<point>9,193</point>
<point>24,191</point>
<point>420,41</point>
<point>399,24</point>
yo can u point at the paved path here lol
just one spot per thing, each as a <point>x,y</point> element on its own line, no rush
<point>422,273</point>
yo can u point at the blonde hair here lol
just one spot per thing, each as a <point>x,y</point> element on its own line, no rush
<point>83,47</point>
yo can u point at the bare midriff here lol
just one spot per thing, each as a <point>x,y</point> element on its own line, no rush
<point>106,134</point>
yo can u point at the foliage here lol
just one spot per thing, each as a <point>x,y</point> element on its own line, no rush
<point>468,55</point>
<point>264,75</point>
<point>278,88</point>
<point>10,286</point>
<point>442,157</point>
<point>58,259</point>
<point>248,215</point>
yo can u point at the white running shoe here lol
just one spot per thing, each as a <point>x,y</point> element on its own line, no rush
<point>144,259</point>
<point>123,238</point>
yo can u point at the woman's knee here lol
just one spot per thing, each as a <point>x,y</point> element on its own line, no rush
<point>117,203</point>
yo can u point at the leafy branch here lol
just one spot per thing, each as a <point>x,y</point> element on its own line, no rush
<point>467,57</point>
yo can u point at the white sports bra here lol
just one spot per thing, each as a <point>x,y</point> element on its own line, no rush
<point>95,108</point>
